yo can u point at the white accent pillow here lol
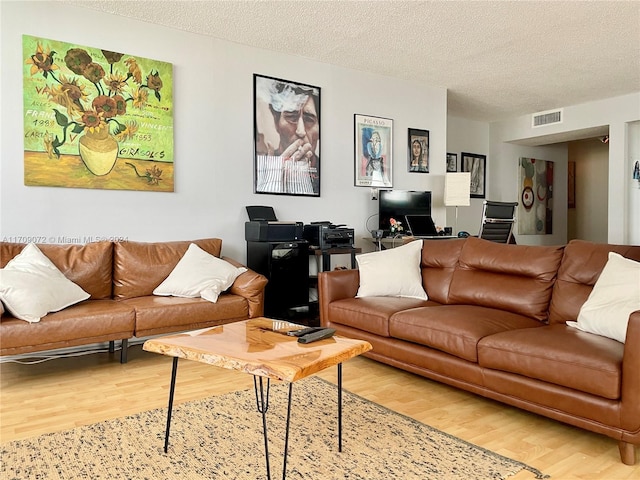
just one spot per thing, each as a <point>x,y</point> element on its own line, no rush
<point>32,286</point>
<point>392,273</point>
<point>614,297</point>
<point>199,274</point>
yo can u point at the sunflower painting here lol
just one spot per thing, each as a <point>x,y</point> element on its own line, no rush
<point>95,118</point>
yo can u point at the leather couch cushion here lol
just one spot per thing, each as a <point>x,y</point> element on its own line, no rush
<point>138,268</point>
<point>580,268</point>
<point>371,314</point>
<point>92,321</point>
<point>557,354</point>
<point>155,315</point>
<point>514,278</point>
<point>454,329</point>
<point>439,260</point>
<point>88,266</point>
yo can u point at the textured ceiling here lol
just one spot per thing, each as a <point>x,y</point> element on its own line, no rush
<point>498,59</point>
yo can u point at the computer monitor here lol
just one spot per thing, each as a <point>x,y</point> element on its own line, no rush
<point>399,203</point>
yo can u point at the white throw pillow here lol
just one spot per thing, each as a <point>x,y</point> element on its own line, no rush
<point>614,297</point>
<point>32,286</point>
<point>392,273</point>
<point>199,274</point>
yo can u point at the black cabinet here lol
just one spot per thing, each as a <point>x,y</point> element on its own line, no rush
<point>286,265</point>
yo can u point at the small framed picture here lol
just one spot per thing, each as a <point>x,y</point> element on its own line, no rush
<point>452,162</point>
<point>418,153</point>
<point>373,151</point>
<point>476,165</point>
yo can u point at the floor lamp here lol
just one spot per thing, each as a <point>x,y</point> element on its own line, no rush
<point>457,191</point>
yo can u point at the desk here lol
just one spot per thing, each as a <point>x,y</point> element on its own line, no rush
<point>392,242</point>
<point>259,347</point>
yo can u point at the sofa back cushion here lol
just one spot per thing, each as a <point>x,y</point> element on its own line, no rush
<point>581,266</point>
<point>515,278</point>
<point>89,265</point>
<point>439,260</point>
<point>138,268</point>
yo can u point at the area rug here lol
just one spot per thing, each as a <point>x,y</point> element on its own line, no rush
<point>221,438</point>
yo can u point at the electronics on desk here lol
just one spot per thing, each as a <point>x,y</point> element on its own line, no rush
<point>263,226</point>
<point>421,225</point>
<point>399,203</point>
<point>326,235</point>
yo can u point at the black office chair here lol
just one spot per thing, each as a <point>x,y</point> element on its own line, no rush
<point>497,221</point>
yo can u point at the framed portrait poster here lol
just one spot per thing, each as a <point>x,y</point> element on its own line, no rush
<point>373,151</point>
<point>476,165</point>
<point>452,162</point>
<point>286,137</point>
<point>418,153</point>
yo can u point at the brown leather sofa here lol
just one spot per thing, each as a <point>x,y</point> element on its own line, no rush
<point>121,278</point>
<point>494,325</point>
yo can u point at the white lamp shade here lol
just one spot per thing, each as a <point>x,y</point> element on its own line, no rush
<point>457,189</point>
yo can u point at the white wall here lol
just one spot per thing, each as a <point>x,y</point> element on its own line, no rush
<point>634,185</point>
<point>592,195</point>
<point>616,113</point>
<point>472,137</point>
<point>213,124</point>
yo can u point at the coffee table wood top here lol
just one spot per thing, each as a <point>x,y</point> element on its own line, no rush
<point>259,346</point>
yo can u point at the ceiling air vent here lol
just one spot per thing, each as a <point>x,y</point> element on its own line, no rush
<point>550,117</point>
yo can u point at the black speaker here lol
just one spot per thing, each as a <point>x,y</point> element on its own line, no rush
<point>286,265</point>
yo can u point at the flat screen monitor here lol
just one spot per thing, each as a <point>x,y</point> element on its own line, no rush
<point>399,203</point>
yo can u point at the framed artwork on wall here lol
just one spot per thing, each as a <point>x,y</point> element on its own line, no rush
<point>535,209</point>
<point>373,151</point>
<point>286,137</point>
<point>476,165</point>
<point>95,118</point>
<point>452,162</point>
<point>418,152</point>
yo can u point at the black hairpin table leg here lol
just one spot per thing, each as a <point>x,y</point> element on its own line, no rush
<point>262,403</point>
<point>172,390</point>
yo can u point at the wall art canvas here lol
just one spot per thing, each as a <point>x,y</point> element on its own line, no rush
<point>418,150</point>
<point>476,165</point>
<point>286,137</point>
<point>373,151</point>
<point>535,209</point>
<point>94,118</point>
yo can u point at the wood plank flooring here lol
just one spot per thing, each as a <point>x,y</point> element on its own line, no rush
<point>65,393</point>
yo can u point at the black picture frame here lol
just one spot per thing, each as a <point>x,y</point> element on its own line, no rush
<point>418,151</point>
<point>452,162</point>
<point>373,151</point>
<point>284,162</point>
<point>475,164</point>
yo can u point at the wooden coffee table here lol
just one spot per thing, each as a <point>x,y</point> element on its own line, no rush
<point>260,347</point>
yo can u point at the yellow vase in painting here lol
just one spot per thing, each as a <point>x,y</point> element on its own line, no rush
<point>99,151</point>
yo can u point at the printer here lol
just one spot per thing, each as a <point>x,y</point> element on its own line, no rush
<point>263,226</point>
<point>326,235</point>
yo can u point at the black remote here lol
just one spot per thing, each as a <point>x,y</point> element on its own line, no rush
<point>304,331</point>
<point>315,336</point>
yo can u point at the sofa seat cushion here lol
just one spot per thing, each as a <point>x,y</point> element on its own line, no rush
<point>557,354</point>
<point>371,314</point>
<point>454,329</point>
<point>155,315</point>
<point>91,319</point>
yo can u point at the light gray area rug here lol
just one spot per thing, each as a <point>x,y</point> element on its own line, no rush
<point>221,438</point>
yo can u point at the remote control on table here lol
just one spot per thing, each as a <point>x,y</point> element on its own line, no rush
<point>315,336</point>
<point>304,331</point>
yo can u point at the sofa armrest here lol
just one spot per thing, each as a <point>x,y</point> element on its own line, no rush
<point>249,285</point>
<point>630,405</point>
<point>335,285</point>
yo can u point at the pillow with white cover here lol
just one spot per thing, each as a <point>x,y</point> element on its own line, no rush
<point>392,273</point>
<point>199,274</point>
<point>614,297</point>
<point>32,286</point>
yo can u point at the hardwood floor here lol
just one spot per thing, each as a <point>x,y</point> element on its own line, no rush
<point>64,393</point>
